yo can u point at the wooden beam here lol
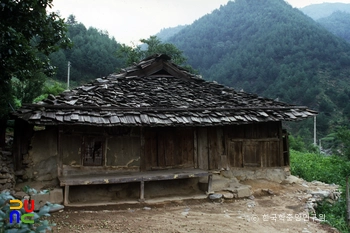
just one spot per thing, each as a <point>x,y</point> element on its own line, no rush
<point>142,191</point>
<point>149,70</point>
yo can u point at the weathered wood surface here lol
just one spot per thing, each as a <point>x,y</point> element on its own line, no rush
<point>168,147</point>
<point>128,177</point>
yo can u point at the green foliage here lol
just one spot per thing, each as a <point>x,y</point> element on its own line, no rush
<point>153,46</point>
<point>166,33</point>
<point>27,90</point>
<point>92,55</point>
<point>51,88</point>
<point>40,225</point>
<point>271,49</point>
<point>328,169</point>
<point>335,213</point>
<point>312,166</point>
<point>28,35</point>
<point>297,143</point>
<point>342,135</point>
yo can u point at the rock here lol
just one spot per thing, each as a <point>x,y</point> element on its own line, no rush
<point>215,196</point>
<point>3,181</point>
<point>7,186</point>
<point>6,153</point>
<point>19,173</point>
<point>146,208</point>
<point>330,201</point>
<point>317,183</point>
<point>268,191</point>
<point>56,196</point>
<point>55,208</point>
<point>243,191</point>
<point>321,193</point>
<point>251,204</point>
<point>40,200</point>
<point>227,195</point>
<point>292,180</point>
<point>19,195</point>
<point>251,197</point>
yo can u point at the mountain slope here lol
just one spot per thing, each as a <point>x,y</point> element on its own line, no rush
<point>338,23</point>
<point>317,11</point>
<point>166,33</point>
<point>271,49</point>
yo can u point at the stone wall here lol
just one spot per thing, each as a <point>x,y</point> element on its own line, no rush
<point>7,176</point>
<point>41,161</point>
<point>276,174</point>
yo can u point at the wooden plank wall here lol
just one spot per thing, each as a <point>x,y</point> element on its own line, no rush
<point>256,145</point>
<point>168,148</point>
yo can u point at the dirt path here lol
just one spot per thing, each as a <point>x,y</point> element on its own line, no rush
<point>282,211</point>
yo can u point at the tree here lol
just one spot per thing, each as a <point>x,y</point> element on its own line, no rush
<point>28,36</point>
<point>153,45</point>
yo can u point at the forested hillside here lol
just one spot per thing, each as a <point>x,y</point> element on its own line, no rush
<point>317,11</point>
<point>269,48</point>
<point>338,23</point>
<point>93,54</point>
<point>166,33</point>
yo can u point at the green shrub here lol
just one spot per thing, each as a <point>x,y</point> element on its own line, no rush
<point>328,169</point>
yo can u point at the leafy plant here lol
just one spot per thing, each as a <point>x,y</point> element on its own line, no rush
<point>39,225</point>
<point>328,169</point>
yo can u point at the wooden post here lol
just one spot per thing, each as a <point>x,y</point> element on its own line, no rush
<point>142,191</point>
<point>210,180</point>
<point>66,195</point>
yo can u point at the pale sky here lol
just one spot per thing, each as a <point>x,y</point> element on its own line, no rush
<point>131,20</point>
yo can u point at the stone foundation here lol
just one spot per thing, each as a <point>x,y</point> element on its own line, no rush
<point>7,176</point>
<point>275,174</point>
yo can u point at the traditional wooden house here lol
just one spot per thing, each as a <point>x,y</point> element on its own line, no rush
<point>152,121</point>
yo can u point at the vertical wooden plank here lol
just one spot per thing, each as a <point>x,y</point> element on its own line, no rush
<point>274,152</point>
<point>235,153</point>
<point>195,149</point>
<point>161,142</point>
<point>143,155</point>
<point>59,152</point>
<point>286,148</point>
<point>263,151</point>
<point>150,148</point>
<point>280,137</point>
<point>203,148</point>
<point>250,155</point>
<point>187,145</point>
<point>214,154</point>
<point>105,157</point>
<point>222,162</point>
<point>169,149</point>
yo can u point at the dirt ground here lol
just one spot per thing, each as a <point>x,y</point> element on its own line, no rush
<point>280,211</point>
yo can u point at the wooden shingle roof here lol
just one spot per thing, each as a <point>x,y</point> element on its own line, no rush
<point>156,92</point>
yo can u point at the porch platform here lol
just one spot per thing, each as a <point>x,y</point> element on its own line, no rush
<point>129,177</point>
